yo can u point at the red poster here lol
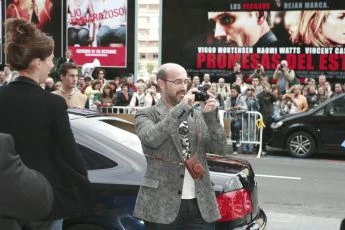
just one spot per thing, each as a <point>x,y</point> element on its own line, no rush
<point>45,14</point>
<point>97,30</point>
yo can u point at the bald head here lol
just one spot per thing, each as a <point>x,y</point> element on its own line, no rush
<point>169,69</point>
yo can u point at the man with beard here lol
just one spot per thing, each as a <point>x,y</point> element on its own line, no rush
<point>248,28</point>
<point>171,132</point>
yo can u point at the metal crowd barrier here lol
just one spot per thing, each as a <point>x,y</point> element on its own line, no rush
<point>251,130</point>
<point>124,112</point>
<point>251,133</point>
<point>118,109</point>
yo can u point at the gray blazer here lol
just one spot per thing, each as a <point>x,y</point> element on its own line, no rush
<point>159,197</point>
<point>25,194</point>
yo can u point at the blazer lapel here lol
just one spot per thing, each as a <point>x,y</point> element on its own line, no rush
<point>176,139</point>
<point>163,111</point>
<point>193,133</point>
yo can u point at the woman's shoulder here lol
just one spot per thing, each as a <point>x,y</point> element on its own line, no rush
<point>54,100</point>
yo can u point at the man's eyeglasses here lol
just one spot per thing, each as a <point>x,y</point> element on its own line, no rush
<point>250,90</point>
<point>178,81</point>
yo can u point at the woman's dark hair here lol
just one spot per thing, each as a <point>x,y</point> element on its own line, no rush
<point>99,70</point>
<point>67,66</point>
<point>24,42</point>
<point>237,88</point>
<point>111,93</point>
<point>124,85</point>
<point>155,85</point>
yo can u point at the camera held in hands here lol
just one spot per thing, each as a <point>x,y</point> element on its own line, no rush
<point>201,96</point>
<point>281,67</point>
<point>258,70</point>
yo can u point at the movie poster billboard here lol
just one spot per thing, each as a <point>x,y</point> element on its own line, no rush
<point>211,38</point>
<point>97,31</point>
<point>45,14</point>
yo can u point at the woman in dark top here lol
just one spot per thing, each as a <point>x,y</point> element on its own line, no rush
<point>123,97</point>
<point>39,124</point>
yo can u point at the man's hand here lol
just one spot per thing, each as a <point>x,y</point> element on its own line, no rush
<point>189,97</point>
<point>210,104</point>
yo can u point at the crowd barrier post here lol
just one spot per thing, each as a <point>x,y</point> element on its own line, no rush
<point>251,130</point>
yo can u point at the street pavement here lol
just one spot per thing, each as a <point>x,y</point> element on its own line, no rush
<point>299,194</point>
<point>281,221</point>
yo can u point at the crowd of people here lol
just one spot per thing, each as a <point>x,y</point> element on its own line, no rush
<point>272,96</point>
<point>83,91</point>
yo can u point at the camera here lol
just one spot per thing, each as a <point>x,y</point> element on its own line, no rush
<point>200,96</point>
<point>281,67</point>
<point>258,70</point>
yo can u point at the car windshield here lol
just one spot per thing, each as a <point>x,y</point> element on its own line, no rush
<point>96,128</point>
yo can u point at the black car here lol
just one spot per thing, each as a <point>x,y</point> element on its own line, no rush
<point>116,168</point>
<point>321,129</point>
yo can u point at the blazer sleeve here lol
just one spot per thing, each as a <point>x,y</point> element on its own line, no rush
<point>153,131</point>
<point>216,140</point>
<point>25,193</point>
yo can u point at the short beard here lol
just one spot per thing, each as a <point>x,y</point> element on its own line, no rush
<point>174,100</point>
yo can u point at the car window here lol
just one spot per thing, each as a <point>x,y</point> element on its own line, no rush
<point>95,160</point>
<point>320,112</point>
<point>337,107</point>
<point>122,125</point>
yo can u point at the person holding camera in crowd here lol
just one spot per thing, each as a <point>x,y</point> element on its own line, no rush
<point>259,72</point>
<point>176,192</point>
<point>237,71</point>
<point>285,77</point>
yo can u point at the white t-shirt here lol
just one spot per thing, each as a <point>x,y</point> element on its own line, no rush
<point>188,190</point>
